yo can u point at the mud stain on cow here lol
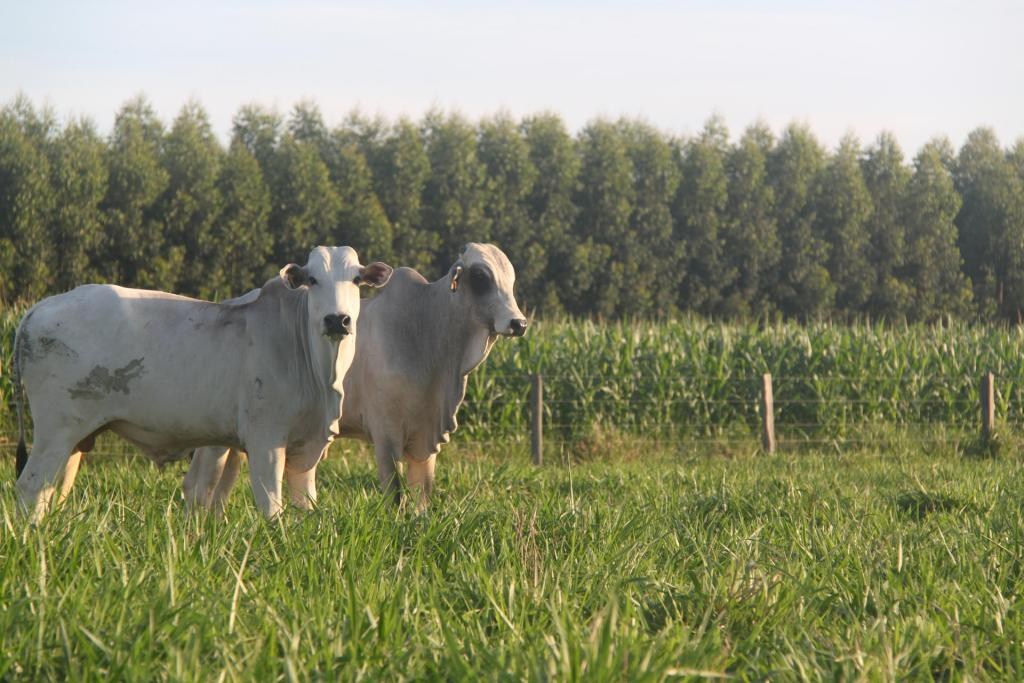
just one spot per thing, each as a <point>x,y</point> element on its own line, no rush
<point>25,348</point>
<point>37,349</point>
<point>101,381</point>
<point>48,345</point>
<point>230,316</point>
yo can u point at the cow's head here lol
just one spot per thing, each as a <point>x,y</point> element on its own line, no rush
<point>484,277</point>
<point>333,276</point>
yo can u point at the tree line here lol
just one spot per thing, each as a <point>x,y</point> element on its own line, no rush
<point>620,219</point>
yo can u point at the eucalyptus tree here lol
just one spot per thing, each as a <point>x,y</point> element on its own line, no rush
<point>26,203</point>
<point>135,252</point>
<point>78,176</point>
<point>750,232</point>
<point>191,203</point>
<point>454,197</point>
<point>551,211</point>
<point>401,169</point>
<point>933,268</point>
<point>597,278</point>
<point>362,221</point>
<point>653,263</point>
<point>700,215</point>
<point>991,224</point>
<point>804,288</point>
<point>241,236</point>
<point>304,203</point>
<point>842,208</point>
<point>259,129</point>
<point>886,177</point>
<point>510,175</point>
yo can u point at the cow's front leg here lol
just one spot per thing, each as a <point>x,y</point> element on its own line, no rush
<point>266,470</point>
<point>301,487</point>
<point>387,472</point>
<point>421,480</point>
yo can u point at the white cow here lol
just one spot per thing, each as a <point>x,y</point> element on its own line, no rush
<point>417,342</point>
<point>169,373</point>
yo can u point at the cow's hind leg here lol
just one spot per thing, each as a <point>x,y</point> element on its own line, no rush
<point>71,467</point>
<point>227,479</point>
<point>204,475</point>
<point>70,472</point>
<point>48,460</point>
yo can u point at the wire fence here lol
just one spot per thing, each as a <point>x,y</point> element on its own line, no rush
<point>785,411</point>
<point>504,411</point>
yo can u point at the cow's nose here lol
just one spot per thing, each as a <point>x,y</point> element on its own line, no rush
<point>518,327</point>
<point>337,325</point>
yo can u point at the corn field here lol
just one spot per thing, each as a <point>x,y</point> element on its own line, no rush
<point>695,379</point>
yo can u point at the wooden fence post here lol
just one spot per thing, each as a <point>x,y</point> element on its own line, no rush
<point>767,414</point>
<point>537,419</point>
<point>988,406</point>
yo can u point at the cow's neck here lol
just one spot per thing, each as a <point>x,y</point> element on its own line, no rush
<point>322,357</point>
<point>463,343</point>
<point>466,341</point>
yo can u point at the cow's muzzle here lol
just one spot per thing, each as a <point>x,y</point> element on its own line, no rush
<point>337,326</point>
<point>517,327</point>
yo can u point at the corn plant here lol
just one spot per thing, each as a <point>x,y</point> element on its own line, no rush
<point>694,379</point>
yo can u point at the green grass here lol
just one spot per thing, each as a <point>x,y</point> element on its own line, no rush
<point>900,563</point>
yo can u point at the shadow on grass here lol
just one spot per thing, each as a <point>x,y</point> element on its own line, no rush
<point>982,447</point>
<point>354,482</point>
<point>920,504</point>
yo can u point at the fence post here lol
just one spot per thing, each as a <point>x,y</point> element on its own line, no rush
<point>537,419</point>
<point>767,414</point>
<point>988,406</point>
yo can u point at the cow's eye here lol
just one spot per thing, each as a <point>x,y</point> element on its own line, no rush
<point>312,280</point>
<point>479,281</point>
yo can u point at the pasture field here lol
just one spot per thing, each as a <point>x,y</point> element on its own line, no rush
<point>655,544</point>
<point>902,562</point>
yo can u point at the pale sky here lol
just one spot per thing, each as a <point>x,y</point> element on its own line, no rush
<point>917,69</point>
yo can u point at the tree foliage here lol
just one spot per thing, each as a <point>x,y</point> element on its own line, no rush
<point>886,177</point>
<point>804,288</point>
<point>932,267</point>
<point>618,220</point>
<point>842,207</point>
<point>991,223</point>
<point>78,178</point>
<point>135,250</point>
<point>750,230</point>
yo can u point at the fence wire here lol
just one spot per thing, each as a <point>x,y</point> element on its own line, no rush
<point>734,416</point>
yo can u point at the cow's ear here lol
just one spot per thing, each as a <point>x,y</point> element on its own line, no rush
<point>456,276</point>
<point>376,274</point>
<point>294,276</point>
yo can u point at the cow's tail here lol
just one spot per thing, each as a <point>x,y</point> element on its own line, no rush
<point>21,457</point>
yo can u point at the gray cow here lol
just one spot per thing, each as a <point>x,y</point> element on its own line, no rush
<point>169,373</point>
<point>416,344</point>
